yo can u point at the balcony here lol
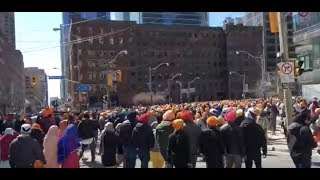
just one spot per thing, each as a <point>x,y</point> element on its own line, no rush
<point>305,29</point>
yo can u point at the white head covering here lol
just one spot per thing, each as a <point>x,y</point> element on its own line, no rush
<point>109,127</point>
<point>9,131</point>
<point>248,113</point>
<point>26,128</point>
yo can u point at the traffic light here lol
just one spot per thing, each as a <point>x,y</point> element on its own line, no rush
<point>273,18</point>
<point>298,69</point>
<point>33,80</point>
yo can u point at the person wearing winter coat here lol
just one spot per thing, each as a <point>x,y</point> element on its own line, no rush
<point>125,134</point>
<point>233,140</point>
<point>254,139</point>
<point>240,117</point>
<point>86,130</point>
<point>179,146</point>
<point>110,142</point>
<point>300,140</point>
<point>193,131</point>
<point>164,129</point>
<point>67,148</point>
<point>143,139</point>
<point>211,144</point>
<point>37,134</point>
<point>5,141</point>
<point>155,155</point>
<point>50,147</point>
<point>24,150</point>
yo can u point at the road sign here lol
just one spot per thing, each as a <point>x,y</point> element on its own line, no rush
<point>287,85</point>
<point>82,87</point>
<point>287,68</point>
<point>303,14</point>
<point>246,88</point>
<point>56,77</point>
<point>186,91</point>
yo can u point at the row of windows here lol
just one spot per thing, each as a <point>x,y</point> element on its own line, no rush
<point>181,44</point>
<point>204,87</point>
<point>180,34</point>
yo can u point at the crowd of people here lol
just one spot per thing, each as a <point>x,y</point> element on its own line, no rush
<point>223,133</point>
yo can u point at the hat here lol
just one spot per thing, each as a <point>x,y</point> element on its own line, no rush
<point>213,121</point>
<point>187,115</point>
<point>9,131</point>
<point>25,128</point>
<point>177,124</point>
<point>230,115</point>
<point>143,118</point>
<point>221,120</point>
<point>168,115</point>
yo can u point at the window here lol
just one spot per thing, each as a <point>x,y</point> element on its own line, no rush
<point>91,40</point>
<point>78,30</point>
<point>111,41</point>
<point>79,52</point>
<point>91,64</point>
<point>132,63</point>
<point>101,40</point>
<point>120,40</point>
<point>91,53</point>
<point>130,40</point>
<point>133,74</point>
<point>111,53</point>
<point>102,75</point>
<point>90,30</point>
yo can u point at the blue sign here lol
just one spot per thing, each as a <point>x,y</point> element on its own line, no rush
<point>82,87</point>
<point>56,77</point>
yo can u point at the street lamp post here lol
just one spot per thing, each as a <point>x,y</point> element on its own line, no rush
<point>243,82</point>
<point>150,79</point>
<point>263,66</point>
<point>169,89</point>
<point>189,86</point>
<point>180,84</point>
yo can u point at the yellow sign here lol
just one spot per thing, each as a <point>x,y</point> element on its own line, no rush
<point>119,75</point>
<point>109,79</point>
<point>273,18</point>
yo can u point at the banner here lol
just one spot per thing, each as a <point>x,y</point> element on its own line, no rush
<point>273,18</point>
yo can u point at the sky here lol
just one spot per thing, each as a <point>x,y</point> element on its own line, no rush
<point>40,45</point>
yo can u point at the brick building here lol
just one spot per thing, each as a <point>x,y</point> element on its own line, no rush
<point>193,51</point>
<point>244,38</point>
<point>11,78</point>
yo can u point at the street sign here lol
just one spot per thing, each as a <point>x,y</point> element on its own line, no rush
<point>82,87</point>
<point>246,88</point>
<point>287,85</point>
<point>56,77</point>
<point>286,72</point>
<point>186,91</point>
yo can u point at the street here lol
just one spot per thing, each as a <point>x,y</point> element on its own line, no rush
<point>277,158</point>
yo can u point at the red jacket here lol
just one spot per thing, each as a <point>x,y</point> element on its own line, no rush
<point>5,141</point>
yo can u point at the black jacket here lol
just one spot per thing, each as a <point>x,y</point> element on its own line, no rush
<point>38,135</point>
<point>239,120</point>
<point>126,128</point>
<point>300,139</point>
<point>142,136</point>
<point>86,129</point>
<point>233,139</point>
<point>179,149</point>
<point>24,151</point>
<point>211,145</point>
<point>110,145</point>
<point>254,138</point>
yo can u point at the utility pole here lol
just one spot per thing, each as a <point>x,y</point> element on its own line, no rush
<point>284,51</point>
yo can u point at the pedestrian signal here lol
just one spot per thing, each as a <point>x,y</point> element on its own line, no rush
<point>298,69</point>
<point>33,80</point>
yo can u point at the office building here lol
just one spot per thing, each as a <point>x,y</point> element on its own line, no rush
<point>307,39</point>
<point>64,38</point>
<point>243,38</point>
<point>7,27</point>
<point>12,94</point>
<point>36,88</point>
<point>193,51</point>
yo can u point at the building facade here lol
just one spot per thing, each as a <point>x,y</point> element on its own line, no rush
<point>271,46</point>
<point>64,39</point>
<point>7,27</point>
<point>12,91</point>
<point>307,39</point>
<point>244,38</point>
<point>193,51</point>
<point>36,88</point>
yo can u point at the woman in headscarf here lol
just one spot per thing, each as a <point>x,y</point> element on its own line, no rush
<point>67,148</point>
<point>62,126</point>
<point>179,147</point>
<point>5,141</point>
<point>37,133</point>
<point>50,145</point>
